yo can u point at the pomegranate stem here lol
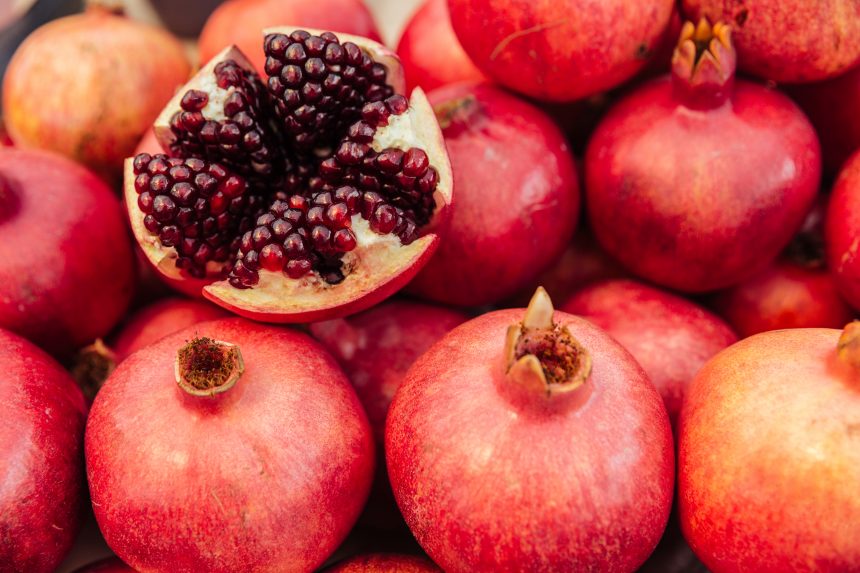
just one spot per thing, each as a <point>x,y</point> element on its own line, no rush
<point>205,367</point>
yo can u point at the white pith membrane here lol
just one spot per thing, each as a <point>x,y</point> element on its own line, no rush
<point>378,264</point>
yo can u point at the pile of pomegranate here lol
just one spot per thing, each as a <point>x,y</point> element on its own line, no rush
<point>506,287</point>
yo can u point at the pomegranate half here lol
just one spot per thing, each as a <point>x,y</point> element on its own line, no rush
<point>41,448</point>
<point>88,86</point>
<point>563,50</point>
<point>697,181</point>
<point>67,273</point>
<point>529,440</point>
<point>768,454</point>
<point>229,446</point>
<point>315,194</point>
<point>669,336</point>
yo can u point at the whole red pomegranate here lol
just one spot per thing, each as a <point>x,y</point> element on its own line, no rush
<point>239,22</point>
<point>431,54</point>
<point>697,181</point>
<point>375,349</point>
<point>830,107</point>
<point>249,452</point>
<point>512,219</point>
<point>41,439</point>
<point>109,565</point>
<point>560,51</point>
<point>88,86</point>
<point>385,563</point>
<point>312,195</point>
<point>768,454</point>
<point>785,295</point>
<point>159,319</point>
<point>529,440</point>
<point>68,269</point>
<point>789,40</point>
<point>669,336</point>
<point>842,231</point>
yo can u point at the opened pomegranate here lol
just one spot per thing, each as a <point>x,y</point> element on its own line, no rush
<point>385,563</point>
<point>431,54</point>
<point>842,231</point>
<point>248,451</point>
<point>768,454</point>
<point>375,349</point>
<point>314,194</point>
<point>88,86</point>
<point>529,440</point>
<point>238,22</point>
<point>669,336</point>
<point>109,565</point>
<point>67,274</point>
<point>41,439</point>
<point>789,40</point>
<point>697,181</point>
<point>560,51</point>
<point>518,202</point>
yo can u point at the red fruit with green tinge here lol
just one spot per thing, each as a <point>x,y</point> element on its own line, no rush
<point>511,219</point>
<point>225,415</point>
<point>41,445</point>
<point>530,440</point>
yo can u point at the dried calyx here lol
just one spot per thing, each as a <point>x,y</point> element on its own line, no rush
<point>848,347</point>
<point>703,65</point>
<point>542,355</point>
<point>292,184</point>
<point>205,367</point>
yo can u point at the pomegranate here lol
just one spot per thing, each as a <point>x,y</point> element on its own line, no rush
<point>314,195</point>
<point>669,336</point>
<point>375,349</point>
<point>768,454</point>
<point>41,438</point>
<point>528,440</point>
<point>830,107</point>
<point>512,219</point>
<point>238,22</point>
<point>385,563</point>
<point>842,231</point>
<point>109,565</point>
<point>67,274</point>
<point>789,40</point>
<point>697,181</point>
<point>249,452</point>
<point>785,295</point>
<point>560,51</point>
<point>88,86</point>
<point>431,54</point>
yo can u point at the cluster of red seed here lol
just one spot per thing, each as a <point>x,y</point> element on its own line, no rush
<point>329,99</point>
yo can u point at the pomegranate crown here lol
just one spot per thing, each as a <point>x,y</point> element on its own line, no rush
<point>542,355</point>
<point>206,367</point>
<point>848,347</point>
<point>704,60</point>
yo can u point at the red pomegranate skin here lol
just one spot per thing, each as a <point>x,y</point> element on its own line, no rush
<point>267,476</point>
<point>560,50</point>
<point>109,565</point>
<point>385,563</point>
<point>785,295</point>
<point>511,219</point>
<point>788,41</point>
<point>41,448</point>
<point>830,106</point>
<point>148,144</point>
<point>697,192</point>
<point>160,319</point>
<point>490,480</point>
<point>89,85</point>
<point>68,268</point>
<point>241,23</point>
<point>768,456</point>
<point>430,52</point>
<point>842,231</point>
<point>669,336</point>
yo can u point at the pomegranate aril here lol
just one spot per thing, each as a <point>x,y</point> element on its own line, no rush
<point>297,268</point>
<point>272,257</point>
<point>344,240</point>
<point>384,219</point>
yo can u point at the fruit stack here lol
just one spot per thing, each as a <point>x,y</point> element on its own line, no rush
<point>545,286</point>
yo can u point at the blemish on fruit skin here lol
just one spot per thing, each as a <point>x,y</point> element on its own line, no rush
<point>506,41</point>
